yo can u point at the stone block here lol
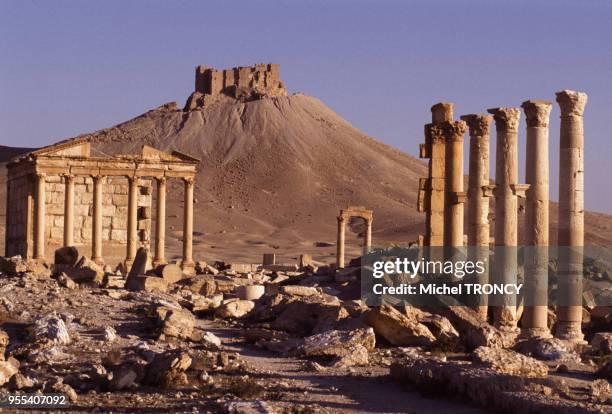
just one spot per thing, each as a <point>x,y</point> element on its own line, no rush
<point>144,200</point>
<point>147,283</point>
<point>108,210</point>
<point>57,233</point>
<point>119,235</point>
<point>86,233</point>
<point>120,199</point>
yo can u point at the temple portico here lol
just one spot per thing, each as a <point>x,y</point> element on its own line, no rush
<point>62,195</point>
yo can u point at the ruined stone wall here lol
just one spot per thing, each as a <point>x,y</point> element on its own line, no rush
<point>19,225</point>
<point>114,210</point>
<point>264,78</point>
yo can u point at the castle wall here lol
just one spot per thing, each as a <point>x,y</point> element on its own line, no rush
<point>263,77</point>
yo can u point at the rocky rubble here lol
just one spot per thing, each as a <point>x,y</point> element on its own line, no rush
<point>99,331</point>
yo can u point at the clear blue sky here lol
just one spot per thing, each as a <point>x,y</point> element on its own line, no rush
<point>73,66</point>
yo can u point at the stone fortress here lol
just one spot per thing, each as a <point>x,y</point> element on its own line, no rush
<point>244,83</point>
<point>442,196</point>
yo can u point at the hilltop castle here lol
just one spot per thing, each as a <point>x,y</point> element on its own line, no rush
<point>244,83</point>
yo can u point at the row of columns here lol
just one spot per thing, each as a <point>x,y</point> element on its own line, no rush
<point>132,225</point>
<point>444,133</point>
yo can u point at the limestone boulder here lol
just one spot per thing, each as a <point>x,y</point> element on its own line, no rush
<point>178,323</point>
<point>85,270</point>
<point>307,315</point>
<point>235,309</point>
<point>4,341</point>
<point>13,265</point>
<point>444,331</point>
<point>170,272</point>
<point>66,256</point>
<point>397,328</point>
<point>146,283</point>
<point>509,362</point>
<point>168,369</point>
<point>64,281</point>
<point>50,329</point>
<point>7,370</point>
<point>547,349</point>
<point>210,340</point>
<point>348,348</point>
<point>297,290</point>
<point>204,285</point>
<point>473,329</point>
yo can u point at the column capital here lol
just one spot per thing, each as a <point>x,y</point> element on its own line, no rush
<point>132,178</point>
<point>341,219</point>
<point>478,124</point>
<point>68,177</point>
<point>41,174</point>
<point>442,112</point>
<point>572,103</point>
<point>454,130</point>
<point>537,113</point>
<point>189,180</point>
<point>97,177</point>
<point>433,134</point>
<point>161,180</point>
<point>506,119</point>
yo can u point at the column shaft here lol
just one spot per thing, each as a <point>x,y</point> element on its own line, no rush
<point>453,212</point>
<point>39,244</point>
<point>68,210</point>
<point>188,263</point>
<point>435,144</point>
<point>160,223</point>
<point>478,201</point>
<point>340,243</point>
<point>132,236</point>
<point>368,237</point>
<point>571,215</point>
<point>96,240</point>
<point>534,321</point>
<point>506,212</point>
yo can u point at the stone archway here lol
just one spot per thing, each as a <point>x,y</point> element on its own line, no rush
<point>343,217</point>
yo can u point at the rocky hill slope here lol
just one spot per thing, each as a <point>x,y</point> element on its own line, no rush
<point>275,171</point>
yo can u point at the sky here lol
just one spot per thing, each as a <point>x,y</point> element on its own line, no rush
<point>69,67</point>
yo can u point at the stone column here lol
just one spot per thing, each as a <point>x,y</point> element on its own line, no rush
<point>68,210</point>
<point>160,223</point>
<point>454,196</point>
<point>39,230</point>
<point>132,236</point>
<point>506,212</point>
<point>435,150</point>
<point>340,243</point>
<point>534,322</point>
<point>96,240</point>
<point>188,264</point>
<point>368,236</point>
<point>571,215</point>
<point>478,201</point>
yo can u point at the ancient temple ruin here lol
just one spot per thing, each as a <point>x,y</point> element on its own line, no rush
<point>441,197</point>
<point>62,195</point>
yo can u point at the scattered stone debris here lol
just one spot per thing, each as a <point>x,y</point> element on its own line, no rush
<point>156,333</point>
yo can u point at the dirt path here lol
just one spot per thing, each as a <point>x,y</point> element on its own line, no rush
<point>354,390</point>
